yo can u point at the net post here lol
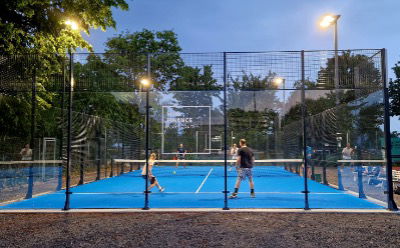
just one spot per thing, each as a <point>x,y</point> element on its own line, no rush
<point>361,193</point>
<point>340,180</point>
<point>324,178</point>
<point>69,132</point>
<point>98,157</point>
<point>146,200</point>
<point>81,167</point>
<point>226,207</point>
<point>388,142</point>
<point>105,154</point>
<point>112,166</point>
<point>303,115</point>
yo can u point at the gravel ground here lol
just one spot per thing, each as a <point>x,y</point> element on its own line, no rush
<point>200,230</point>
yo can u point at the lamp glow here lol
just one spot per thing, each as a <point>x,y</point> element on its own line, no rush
<point>72,24</point>
<point>328,20</point>
<point>278,81</point>
<point>145,82</point>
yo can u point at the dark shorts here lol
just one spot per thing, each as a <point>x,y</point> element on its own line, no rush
<point>244,173</point>
<point>152,179</point>
<point>180,157</point>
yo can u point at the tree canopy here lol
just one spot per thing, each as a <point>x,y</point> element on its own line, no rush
<point>394,91</point>
<point>40,26</point>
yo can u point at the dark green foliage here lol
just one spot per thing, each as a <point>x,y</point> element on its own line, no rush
<point>127,53</point>
<point>355,71</point>
<point>394,92</point>
<point>39,26</point>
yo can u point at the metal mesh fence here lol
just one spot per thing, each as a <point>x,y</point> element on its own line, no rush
<point>265,97</point>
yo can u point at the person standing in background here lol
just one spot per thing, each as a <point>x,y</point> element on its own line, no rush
<point>233,152</point>
<point>181,153</point>
<point>26,153</point>
<point>347,152</point>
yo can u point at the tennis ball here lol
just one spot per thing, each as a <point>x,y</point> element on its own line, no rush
<point>174,172</point>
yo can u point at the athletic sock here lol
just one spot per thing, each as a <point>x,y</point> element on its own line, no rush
<point>252,191</point>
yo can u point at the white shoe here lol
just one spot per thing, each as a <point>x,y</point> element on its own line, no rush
<point>233,196</point>
<point>162,189</point>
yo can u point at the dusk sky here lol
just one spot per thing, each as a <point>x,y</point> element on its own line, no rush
<point>264,25</point>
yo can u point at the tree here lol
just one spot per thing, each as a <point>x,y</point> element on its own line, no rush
<point>33,33</point>
<point>249,86</point>
<point>128,52</point>
<point>193,78</point>
<point>359,78</point>
<point>394,92</point>
<point>355,71</point>
<point>39,26</point>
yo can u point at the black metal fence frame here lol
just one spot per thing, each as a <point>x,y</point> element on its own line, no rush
<point>70,88</point>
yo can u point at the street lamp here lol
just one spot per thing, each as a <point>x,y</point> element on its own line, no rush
<point>327,21</point>
<point>280,81</point>
<point>146,84</point>
<point>74,26</point>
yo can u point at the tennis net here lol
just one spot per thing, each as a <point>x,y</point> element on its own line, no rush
<point>266,167</point>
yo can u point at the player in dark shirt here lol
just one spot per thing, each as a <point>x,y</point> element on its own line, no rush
<point>181,152</point>
<point>245,162</point>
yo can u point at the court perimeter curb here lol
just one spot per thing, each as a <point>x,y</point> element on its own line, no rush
<point>198,210</point>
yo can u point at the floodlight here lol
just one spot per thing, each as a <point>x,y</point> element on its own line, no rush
<point>278,80</point>
<point>328,20</point>
<point>145,82</point>
<point>72,24</point>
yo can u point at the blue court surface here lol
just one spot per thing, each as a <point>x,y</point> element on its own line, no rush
<point>200,187</point>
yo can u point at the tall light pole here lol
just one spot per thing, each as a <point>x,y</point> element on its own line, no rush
<point>146,84</point>
<point>327,21</point>
<point>73,26</point>
<point>277,81</point>
<point>280,81</point>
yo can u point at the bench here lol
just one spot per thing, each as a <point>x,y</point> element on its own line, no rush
<point>396,181</point>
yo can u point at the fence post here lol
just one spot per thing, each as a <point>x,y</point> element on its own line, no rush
<point>29,193</point>
<point>388,142</point>
<point>69,132</point>
<point>146,200</point>
<point>304,116</point>
<point>61,127</point>
<point>226,207</point>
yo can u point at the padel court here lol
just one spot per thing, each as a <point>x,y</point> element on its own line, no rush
<point>202,187</point>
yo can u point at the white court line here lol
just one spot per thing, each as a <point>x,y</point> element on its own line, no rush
<point>205,179</point>
<point>31,162</point>
<point>209,161</point>
<point>218,192</point>
<point>196,210</point>
<point>361,161</point>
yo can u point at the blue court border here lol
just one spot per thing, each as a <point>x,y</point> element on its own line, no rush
<point>199,187</point>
